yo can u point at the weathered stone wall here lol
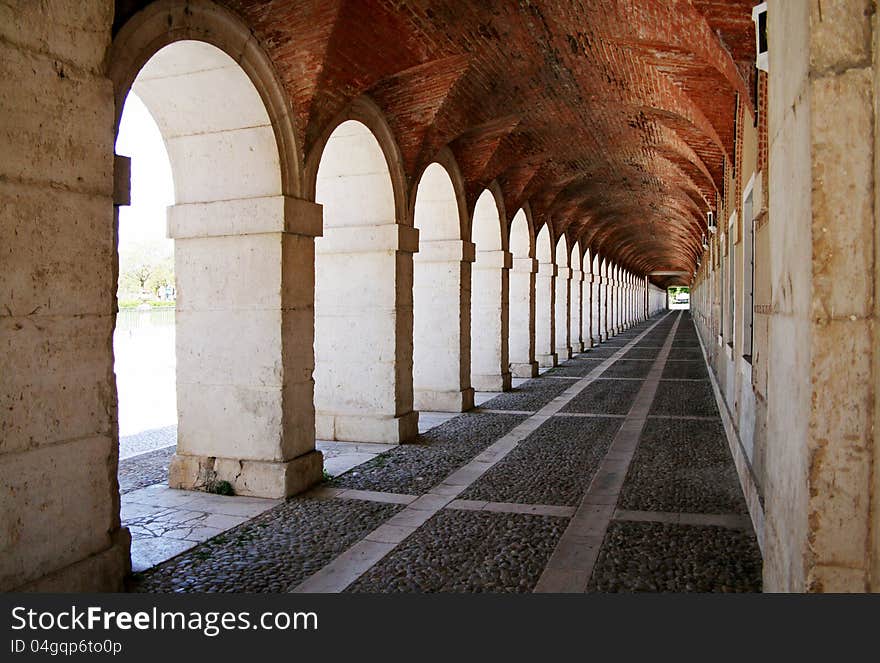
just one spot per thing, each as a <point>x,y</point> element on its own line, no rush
<point>814,372</point>
<point>59,502</point>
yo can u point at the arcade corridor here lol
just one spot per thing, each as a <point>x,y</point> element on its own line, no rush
<point>421,257</point>
<point>608,473</point>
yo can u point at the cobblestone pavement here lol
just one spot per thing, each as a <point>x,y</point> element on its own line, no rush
<point>148,440</point>
<point>663,557</point>
<point>415,468</point>
<point>270,552</point>
<point>144,470</point>
<point>553,465</point>
<point>484,502</point>
<point>468,551</point>
<point>682,466</point>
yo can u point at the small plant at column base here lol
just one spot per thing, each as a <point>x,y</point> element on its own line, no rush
<point>220,488</point>
<point>327,475</point>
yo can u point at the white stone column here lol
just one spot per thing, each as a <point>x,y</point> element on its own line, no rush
<point>245,279</point>
<point>562,312</point>
<point>490,368</point>
<point>611,302</point>
<point>596,310</point>
<point>618,302</point>
<point>629,301</point>
<point>577,309</point>
<point>363,390</point>
<point>442,319</point>
<point>522,318</point>
<point>545,323</point>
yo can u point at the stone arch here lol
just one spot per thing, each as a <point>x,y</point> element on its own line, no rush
<point>488,224</point>
<point>445,159</point>
<point>363,281</point>
<point>522,227</point>
<point>363,111</point>
<point>441,291</point>
<point>168,21</point>
<point>242,238</point>
<point>490,365</point>
<point>521,240</point>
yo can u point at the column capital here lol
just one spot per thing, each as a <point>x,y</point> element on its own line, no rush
<point>497,259</point>
<point>245,216</point>
<point>546,269</point>
<point>446,250</point>
<point>370,239</point>
<point>528,265</point>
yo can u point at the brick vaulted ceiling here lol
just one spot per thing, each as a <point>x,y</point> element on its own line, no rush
<point>611,118</point>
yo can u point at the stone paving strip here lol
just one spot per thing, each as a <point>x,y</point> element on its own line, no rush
<point>512,507</point>
<point>481,410</point>
<point>366,553</point>
<point>324,492</point>
<point>571,565</point>
<point>727,520</point>
<point>414,468</point>
<point>590,414</point>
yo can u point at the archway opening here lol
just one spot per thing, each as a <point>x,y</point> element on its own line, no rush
<point>563,302</point>
<point>522,298</point>
<point>545,299</point>
<point>144,339</point>
<point>236,377</point>
<point>490,369</point>
<point>596,304</point>
<point>441,298</point>
<point>363,296</point>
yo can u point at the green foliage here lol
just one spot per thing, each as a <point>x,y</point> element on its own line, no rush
<point>135,303</point>
<point>143,269</point>
<point>221,488</point>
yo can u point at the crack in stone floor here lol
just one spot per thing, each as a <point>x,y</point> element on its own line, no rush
<point>500,487</point>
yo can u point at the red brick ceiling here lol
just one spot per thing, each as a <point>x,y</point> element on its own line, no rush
<point>610,117</point>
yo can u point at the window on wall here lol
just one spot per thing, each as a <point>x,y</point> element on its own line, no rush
<point>748,277</point>
<point>730,275</point>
